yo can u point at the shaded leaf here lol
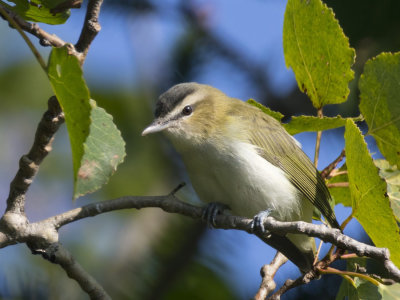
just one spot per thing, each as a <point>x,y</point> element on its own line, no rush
<point>104,150</point>
<point>96,144</point>
<point>370,203</point>
<point>380,103</point>
<point>40,11</point>
<point>317,50</point>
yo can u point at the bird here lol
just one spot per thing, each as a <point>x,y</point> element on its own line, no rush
<point>240,158</point>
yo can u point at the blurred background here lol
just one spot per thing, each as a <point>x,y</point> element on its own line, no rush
<point>144,48</point>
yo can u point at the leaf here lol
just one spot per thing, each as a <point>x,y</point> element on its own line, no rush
<point>96,144</point>
<point>391,174</point>
<point>39,11</point>
<point>104,150</point>
<point>317,50</point>
<point>275,114</point>
<point>380,103</point>
<point>370,203</point>
<point>311,123</point>
<point>340,194</point>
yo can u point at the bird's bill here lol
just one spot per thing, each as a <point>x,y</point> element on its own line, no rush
<point>156,126</point>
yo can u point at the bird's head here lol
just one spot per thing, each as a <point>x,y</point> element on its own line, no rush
<point>188,112</point>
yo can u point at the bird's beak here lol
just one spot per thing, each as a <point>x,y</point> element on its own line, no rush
<point>156,126</point>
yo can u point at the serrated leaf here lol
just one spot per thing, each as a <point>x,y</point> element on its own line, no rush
<point>370,204</point>
<point>380,103</point>
<point>311,123</point>
<point>104,150</point>
<point>340,194</point>
<point>317,50</point>
<point>391,174</point>
<point>275,114</point>
<point>40,11</point>
<point>96,144</point>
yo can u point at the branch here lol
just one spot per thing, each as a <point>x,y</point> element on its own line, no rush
<point>327,171</point>
<point>268,273</point>
<point>29,163</point>
<point>90,28</point>
<point>57,254</point>
<point>45,38</point>
<point>171,204</point>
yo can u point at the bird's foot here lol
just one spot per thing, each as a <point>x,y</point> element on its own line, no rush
<point>211,211</point>
<point>258,223</point>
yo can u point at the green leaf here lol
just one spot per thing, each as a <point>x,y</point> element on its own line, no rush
<point>370,203</point>
<point>380,103</point>
<point>391,174</point>
<point>39,11</point>
<point>317,50</point>
<point>275,114</point>
<point>341,194</point>
<point>96,144</point>
<point>311,123</point>
<point>104,150</point>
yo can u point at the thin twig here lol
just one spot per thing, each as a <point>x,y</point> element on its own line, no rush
<point>318,141</point>
<point>327,171</point>
<point>338,184</point>
<point>91,27</point>
<point>29,163</point>
<point>35,52</point>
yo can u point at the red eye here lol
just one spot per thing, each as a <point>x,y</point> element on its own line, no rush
<point>187,110</point>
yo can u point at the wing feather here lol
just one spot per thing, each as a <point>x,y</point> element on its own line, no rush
<point>280,149</point>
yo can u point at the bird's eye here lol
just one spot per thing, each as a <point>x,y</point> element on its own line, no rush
<point>187,110</point>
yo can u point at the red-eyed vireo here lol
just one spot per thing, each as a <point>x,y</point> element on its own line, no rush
<point>239,156</point>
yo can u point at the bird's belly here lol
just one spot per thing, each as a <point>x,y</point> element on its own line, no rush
<point>244,181</point>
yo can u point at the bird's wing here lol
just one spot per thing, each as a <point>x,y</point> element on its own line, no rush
<point>280,149</point>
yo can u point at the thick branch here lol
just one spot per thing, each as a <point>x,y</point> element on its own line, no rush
<point>29,163</point>
<point>45,38</point>
<point>90,28</point>
<point>57,254</point>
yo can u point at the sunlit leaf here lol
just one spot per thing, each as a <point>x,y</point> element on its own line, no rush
<point>275,114</point>
<point>317,50</point>
<point>311,123</point>
<point>371,206</point>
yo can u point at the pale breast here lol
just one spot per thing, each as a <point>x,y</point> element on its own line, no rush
<point>238,177</point>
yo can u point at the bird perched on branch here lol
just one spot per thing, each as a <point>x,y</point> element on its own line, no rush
<point>240,158</point>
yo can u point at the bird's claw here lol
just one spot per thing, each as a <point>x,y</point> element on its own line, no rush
<point>258,223</point>
<point>211,211</point>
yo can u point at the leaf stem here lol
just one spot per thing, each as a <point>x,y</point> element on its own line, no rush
<point>330,270</point>
<point>35,52</point>
<point>318,142</point>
